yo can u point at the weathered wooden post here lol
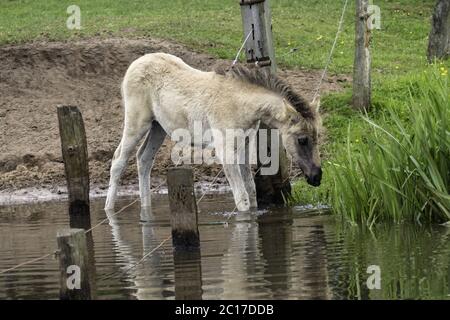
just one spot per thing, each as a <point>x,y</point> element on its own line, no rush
<point>84,222</point>
<point>361,71</point>
<point>257,21</point>
<point>185,235</point>
<point>183,208</point>
<point>439,39</point>
<point>75,156</point>
<point>73,262</point>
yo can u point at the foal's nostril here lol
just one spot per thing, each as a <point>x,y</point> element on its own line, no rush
<point>319,174</point>
<point>316,177</point>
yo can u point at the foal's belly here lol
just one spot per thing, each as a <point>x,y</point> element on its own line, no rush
<point>181,112</point>
<point>175,120</point>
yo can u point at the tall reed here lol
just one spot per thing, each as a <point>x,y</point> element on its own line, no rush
<point>402,171</point>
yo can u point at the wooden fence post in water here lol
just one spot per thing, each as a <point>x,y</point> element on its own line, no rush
<point>257,21</point>
<point>73,263</point>
<point>185,235</point>
<point>183,207</point>
<point>75,156</point>
<point>361,70</point>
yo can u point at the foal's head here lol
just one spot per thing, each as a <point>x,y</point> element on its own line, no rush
<point>300,136</point>
<point>299,121</point>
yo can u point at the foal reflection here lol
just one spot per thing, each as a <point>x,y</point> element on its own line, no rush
<point>144,272</point>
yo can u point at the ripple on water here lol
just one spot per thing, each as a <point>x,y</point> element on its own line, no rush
<point>270,254</point>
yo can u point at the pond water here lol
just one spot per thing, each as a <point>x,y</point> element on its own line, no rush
<point>274,254</point>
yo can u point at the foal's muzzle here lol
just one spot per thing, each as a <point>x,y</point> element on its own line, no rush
<point>315,177</point>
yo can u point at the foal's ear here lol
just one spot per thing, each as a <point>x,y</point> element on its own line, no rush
<point>289,113</point>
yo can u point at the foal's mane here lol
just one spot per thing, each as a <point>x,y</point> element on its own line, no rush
<point>267,80</point>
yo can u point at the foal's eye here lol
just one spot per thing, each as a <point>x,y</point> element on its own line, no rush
<point>303,141</point>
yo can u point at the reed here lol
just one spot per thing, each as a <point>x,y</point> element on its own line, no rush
<point>402,170</point>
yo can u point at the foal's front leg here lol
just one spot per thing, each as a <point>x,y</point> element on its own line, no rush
<point>237,185</point>
<point>247,176</point>
<point>249,183</point>
<point>232,171</point>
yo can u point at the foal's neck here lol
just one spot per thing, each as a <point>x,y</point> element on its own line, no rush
<point>271,111</point>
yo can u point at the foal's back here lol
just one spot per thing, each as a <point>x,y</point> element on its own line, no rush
<point>164,88</point>
<point>157,67</point>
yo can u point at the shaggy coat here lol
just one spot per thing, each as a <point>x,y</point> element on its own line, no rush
<point>161,94</point>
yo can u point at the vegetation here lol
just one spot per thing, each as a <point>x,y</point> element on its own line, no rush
<point>402,170</point>
<point>309,26</point>
<point>388,165</point>
<point>392,164</point>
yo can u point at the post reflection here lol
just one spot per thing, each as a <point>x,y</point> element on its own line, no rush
<point>315,267</point>
<point>84,222</point>
<point>275,233</point>
<point>187,263</point>
<point>284,257</point>
<point>188,274</point>
<point>294,251</point>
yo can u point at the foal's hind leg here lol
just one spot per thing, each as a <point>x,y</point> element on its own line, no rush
<point>145,157</point>
<point>119,162</point>
<point>137,124</point>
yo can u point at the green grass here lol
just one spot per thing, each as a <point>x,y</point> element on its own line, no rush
<point>215,27</point>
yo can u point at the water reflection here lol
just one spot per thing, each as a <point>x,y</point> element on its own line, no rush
<point>143,271</point>
<point>188,274</point>
<point>278,254</point>
<point>414,262</point>
<point>275,233</point>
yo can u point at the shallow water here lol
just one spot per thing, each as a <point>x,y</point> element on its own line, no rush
<point>274,254</point>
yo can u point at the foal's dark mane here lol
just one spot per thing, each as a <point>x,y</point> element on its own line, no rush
<point>265,79</point>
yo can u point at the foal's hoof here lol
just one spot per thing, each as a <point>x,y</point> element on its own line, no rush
<point>243,207</point>
<point>146,214</point>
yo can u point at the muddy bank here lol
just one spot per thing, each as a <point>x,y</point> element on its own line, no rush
<point>36,77</point>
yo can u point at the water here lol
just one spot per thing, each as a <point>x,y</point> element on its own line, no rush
<point>276,254</point>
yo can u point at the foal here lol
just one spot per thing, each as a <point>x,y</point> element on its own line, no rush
<point>161,93</point>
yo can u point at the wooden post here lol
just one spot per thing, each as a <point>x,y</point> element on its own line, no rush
<point>361,70</point>
<point>185,235</point>
<point>257,19</point>
<point>439,39</point>
<point>183,207</point>
<point>73,262</point>
<point>84,222</point>
<point>273,189</point>
<point>75,156</point>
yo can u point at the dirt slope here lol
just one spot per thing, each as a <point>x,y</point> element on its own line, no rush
<point>36,77</point>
